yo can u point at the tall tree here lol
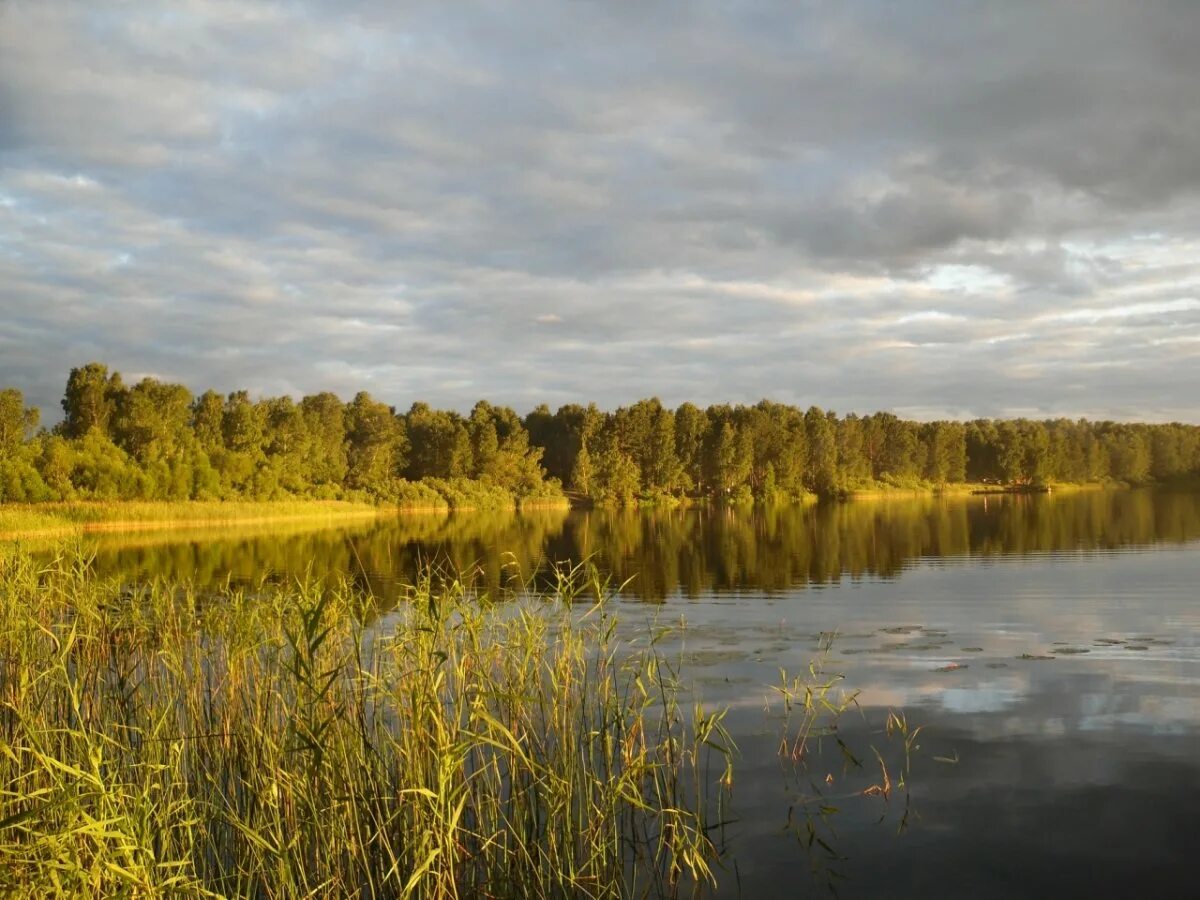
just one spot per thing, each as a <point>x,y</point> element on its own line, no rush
<point>151,419</point>
<point>440,444</point>
<point>16,420</point>
<point>376,445</point>
<point>325,421</point>
<point>90,399</point>
<point>822,452</point>
<point>691,428</point>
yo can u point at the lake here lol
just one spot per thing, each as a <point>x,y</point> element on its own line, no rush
<point>1047,644</point>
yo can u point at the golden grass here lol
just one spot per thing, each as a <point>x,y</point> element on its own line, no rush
<point>53,519</point>
<point>157,742</point>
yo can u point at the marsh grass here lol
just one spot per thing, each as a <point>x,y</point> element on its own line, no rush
<point>74,517</point>
<point>156,741</point>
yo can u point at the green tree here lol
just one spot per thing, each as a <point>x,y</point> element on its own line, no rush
<point>440,444</point>
<point>151,419</point>
<point>731,456</point>
<point>821,432</point>
<point>16,421</point>
<point>376,444</point>
<point>946,452</point>
<point>90,399</point>
<point>325,422</point>
<point>207,414</point>
<point>691,430</point>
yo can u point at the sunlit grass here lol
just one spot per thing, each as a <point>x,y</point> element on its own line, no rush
<point>154,741</point>
<point>73,517</point>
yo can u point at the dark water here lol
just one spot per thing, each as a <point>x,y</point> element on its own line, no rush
<point>1076,775</point>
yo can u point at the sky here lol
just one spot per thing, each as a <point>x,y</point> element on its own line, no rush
<point>939,209</point>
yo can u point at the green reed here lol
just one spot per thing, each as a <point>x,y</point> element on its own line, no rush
<point>268,743</point>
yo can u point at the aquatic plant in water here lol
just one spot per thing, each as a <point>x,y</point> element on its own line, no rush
<point>269,744</point>
<point>297,740</point>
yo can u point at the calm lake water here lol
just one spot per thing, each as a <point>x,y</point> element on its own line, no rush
<point>1076,772</point>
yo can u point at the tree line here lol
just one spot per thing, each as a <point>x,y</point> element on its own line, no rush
<point>156,440</point>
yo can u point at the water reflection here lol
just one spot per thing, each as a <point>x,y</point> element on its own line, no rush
<point>1075,773</point>
<point>691,552</point>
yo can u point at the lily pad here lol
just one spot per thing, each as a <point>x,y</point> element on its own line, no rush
<point>1072,650</point>
<point>1033,656</point>
<point>953,667</point>
<point>972,649</point>
<point>901,629</point>
<point>1136,647</point>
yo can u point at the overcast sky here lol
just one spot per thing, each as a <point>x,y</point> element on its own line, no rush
<point>958,209</point>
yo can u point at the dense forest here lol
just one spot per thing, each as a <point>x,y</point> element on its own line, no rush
<point>156,440</point>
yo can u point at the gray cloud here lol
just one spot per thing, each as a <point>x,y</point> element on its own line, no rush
<point>977,209</point>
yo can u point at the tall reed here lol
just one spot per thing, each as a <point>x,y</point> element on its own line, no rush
<point>272,743</point>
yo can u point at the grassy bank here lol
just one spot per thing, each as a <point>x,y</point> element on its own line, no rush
<point>966,488</point>
<point>64,518</point>
<point>154,743</point>
<point>54,519</point>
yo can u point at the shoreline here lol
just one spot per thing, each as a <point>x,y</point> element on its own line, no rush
<point>65,519</point>
<point>68,519</point>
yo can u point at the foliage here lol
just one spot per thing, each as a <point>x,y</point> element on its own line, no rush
<point>153,441</point>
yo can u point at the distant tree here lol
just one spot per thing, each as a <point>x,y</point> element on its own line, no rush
<point>616,478</point>
<point>822,452</point>
<point>287,444</point>
<point>16,421</point>
<point>583,473</point>
<point>20,480</point>
<point>691,430</point>
<point>1010,452</point>
<point>90,399</point>
<point>946,452</point>
<point>853,464</point>
<point>376,444</point>
<point>208,411</point>
<point>731,456</point>
<point>440,444</point>
<point>150,420</point>
<point>325,422</point>
<point>646,434</point>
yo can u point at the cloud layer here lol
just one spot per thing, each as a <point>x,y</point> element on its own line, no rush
<point>975,209</point>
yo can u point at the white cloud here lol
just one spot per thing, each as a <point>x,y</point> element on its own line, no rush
<point>839,205</point>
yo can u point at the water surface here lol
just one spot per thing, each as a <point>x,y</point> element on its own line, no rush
<point>1061,754</point>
